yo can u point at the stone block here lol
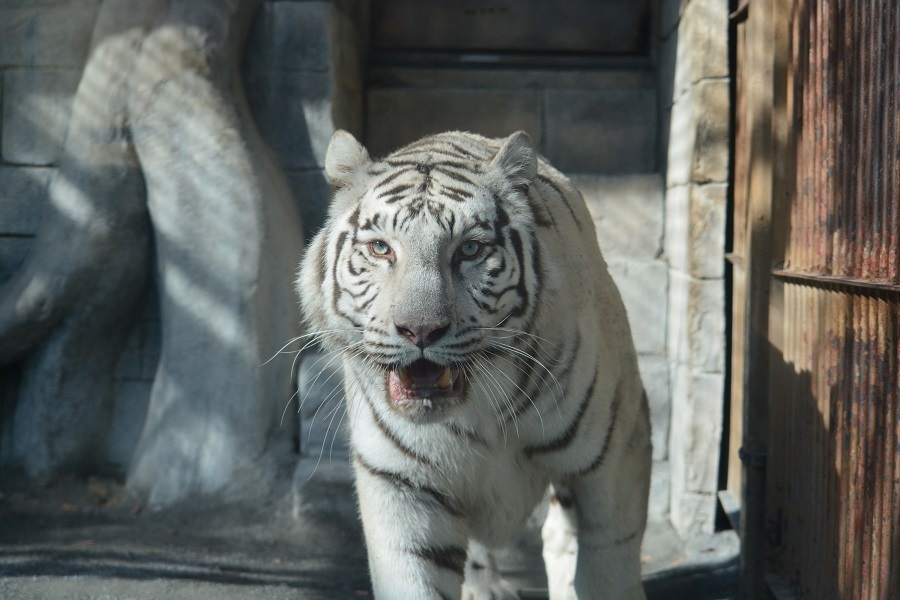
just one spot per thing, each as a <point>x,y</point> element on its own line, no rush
<point>669,16</point>
<point>294,114</point>
<point>627,212</point>
<point>677,229</point>
<point>655,375</point>
<point>702,42</point>
<point>36,108</point>
<point>129,413</point>
<point>692,514</point>
<point>697,408</point>
<point>23,195</point>
<point>696,324</point>
<point>313,195</point>
<point>699,135</point>
<point>660,490</point>
<point>290,36</point>
<point>706,250</point>
<point>643,285</point>
<point>13,251</point>
<point>46,33</point>
<point>397,116</point>
<point>695,229</point>
<point>601,131</point>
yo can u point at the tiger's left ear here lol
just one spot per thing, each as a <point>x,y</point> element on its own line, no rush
<point>344,159</point>
<point>516,160</point>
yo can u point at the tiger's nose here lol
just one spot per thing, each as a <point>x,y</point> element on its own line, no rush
<point>423,335</point>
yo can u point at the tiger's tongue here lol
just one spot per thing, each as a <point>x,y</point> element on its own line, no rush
<point>424,373</point>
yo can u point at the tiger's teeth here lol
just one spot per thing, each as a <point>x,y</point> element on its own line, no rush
<point>405,379</point>
<point>445,378</point>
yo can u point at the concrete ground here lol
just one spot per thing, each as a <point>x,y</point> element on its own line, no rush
<point>86,540</point>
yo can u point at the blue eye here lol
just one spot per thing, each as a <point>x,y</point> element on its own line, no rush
<point>379,248</point>
<point>470,249</point>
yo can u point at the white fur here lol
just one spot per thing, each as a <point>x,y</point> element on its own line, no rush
<point>425,489</point>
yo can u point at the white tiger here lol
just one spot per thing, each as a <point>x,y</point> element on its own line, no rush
<point>486,356</point>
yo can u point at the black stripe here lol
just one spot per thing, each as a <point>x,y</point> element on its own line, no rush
<point>397,480</point>
<point>516,239</point>
<point>465,434</point>
<point>549,183</point>
<point>451,558</point>
<point>396,190</point>
<point>391,177</point>
<point>568,435</point>
<point>441,594</point>
<point>392,437</point>
<point>457,176</point>
<point>598,460</point>
<point>538,207</point>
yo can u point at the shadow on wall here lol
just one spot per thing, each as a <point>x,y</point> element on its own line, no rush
<point>161,152</point>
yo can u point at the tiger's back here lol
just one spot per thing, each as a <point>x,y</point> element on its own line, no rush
<point>486,354</point>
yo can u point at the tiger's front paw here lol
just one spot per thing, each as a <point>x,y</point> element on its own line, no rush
<point>483,580</point>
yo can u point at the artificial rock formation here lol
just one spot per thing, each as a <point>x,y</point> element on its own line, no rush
<point>161,148</point>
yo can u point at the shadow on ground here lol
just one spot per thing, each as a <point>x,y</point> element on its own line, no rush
<point>87,540</point>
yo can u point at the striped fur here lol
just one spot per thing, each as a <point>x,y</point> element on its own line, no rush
<point>474,259</point>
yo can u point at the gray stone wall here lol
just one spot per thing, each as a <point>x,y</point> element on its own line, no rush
<point>650,155</point>
<point>303,78</point>
<point>694,105</point>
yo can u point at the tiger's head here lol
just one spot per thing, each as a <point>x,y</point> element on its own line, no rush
<point>426,254</point>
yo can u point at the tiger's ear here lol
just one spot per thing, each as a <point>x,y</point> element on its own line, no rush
<point>344,159</point>
<point>516,160</point>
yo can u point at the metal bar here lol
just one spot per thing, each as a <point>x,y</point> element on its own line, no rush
<point>860,285</point>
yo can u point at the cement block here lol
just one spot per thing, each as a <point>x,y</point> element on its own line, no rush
<point>601,131</point>
<point>669,16</point>
<point>313,194</point>
<point>290,36</point>
<point>131,401</point>
<point>695,229</point>
<point>643,285</point>
<point>702,42</point>
<point>46,33</point>
<point>707,230</point>
<point>397,116</point>
<point>302,100</point>
<point>692,514</point>
<point>697,408</point>
<point>627,212</point>
<point>678,225</point>
<point>23,196</point>
<point>36,109</point>
<point>655,375</point>
<point>696,330</point>
<point>660,490</point>
<point>698,135</point>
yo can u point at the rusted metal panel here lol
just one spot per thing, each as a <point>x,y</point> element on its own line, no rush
<point>836,439</point>
<point>833,481</point>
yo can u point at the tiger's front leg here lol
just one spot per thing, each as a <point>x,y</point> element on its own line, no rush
<point>595,525</point>
<point>415,538</point>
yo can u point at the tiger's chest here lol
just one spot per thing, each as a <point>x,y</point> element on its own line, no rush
<point>503,496</point>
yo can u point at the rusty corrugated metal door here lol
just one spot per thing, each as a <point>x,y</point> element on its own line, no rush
<point>833,464</point>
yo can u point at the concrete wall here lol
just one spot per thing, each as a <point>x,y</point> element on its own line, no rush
<point>650,154</point>
<point>303,78</point>
<point>694,107</point>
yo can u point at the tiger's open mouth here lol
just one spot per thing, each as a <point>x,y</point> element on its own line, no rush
<point>425,380</point>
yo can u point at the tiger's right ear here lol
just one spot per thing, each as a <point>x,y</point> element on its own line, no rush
<point>344,159</point>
